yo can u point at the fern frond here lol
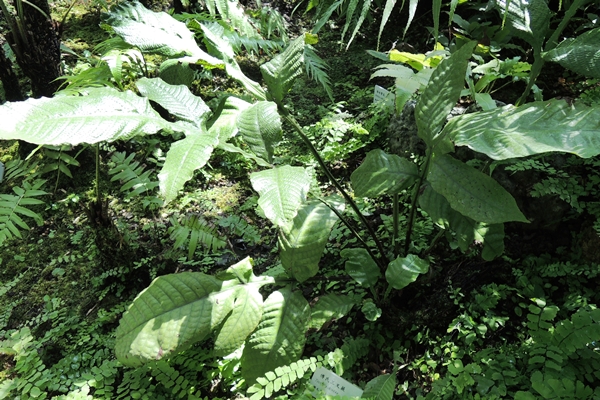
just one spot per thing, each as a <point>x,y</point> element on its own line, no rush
<point>131,174</point>
<point>250,43</point>
<point>12,207</point>
<point>60,160</point>
<point>272,21</point>
<point>237,226</point>
<point>361,19</point>
<point>316,69</point>
<point>354,350</point>
<point>285,376</point>
<point>195,230</point>
<point>349,16</point>
<point>15,169</point>
<point>172,380</point>
<point>233,12</point>
<point>326,15</point>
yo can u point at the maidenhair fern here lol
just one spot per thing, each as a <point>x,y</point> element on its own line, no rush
<point>283,377</point>
<point>195,230</point>
<point>176,383</point>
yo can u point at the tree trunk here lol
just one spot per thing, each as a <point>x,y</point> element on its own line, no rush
<point>42,59</point>
<point>10,82</point>
<point>39,58</point>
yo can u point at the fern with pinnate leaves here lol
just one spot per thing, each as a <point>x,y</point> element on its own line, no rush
<point>15,169</point>
<point>13,206</point>
<point>131,174</point>
<point>316,69</point>
<point>283,377</point>
<point>237,226</point>
<point>195,231</point>
<point>234,13</point>
<point>61,160</point>
<point>253,44</point>
<point>57,159</point>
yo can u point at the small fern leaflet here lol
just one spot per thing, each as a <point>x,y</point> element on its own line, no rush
<point>131,174</point>
<point>198,231</point>
<point>12,206</point>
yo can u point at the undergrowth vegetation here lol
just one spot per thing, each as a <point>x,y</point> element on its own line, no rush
<point>214,205</point>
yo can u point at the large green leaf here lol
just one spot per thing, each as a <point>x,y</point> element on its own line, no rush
<point>440,212</point>
<point>492,237</point>
<point>213,33</point>
<point>467,230</point>
<point>380,388</point>
<point>302,246</point>
<point>535,128</point>
<point>154,32</point>
<point>225,123</point>
<point>245,316</point>
<point>530,18</point>
<point>282,190</point>
<point>329,307</point>
<point>260,126</point>
<point>281,72</point>
<point>176,72</point>
<point>441,94</point>
<point>280,336</point>
<point>382,173</point>
<point>172,313</point>
<point>183,158</point>
<point>473,193</point>
<point>405,270</point>
<point>581,54</point>
<point>361,267</point>
<point>176,99</point>
<point>178,310</point>
<point>103,114</point>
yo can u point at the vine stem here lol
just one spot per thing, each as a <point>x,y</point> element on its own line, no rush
<point>395,219</point>
<point>349,226</point>
<point>98,173</point>
<point>382,261</point>
<point>413,204</point>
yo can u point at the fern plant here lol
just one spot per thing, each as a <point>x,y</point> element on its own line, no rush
<point>134,179</point>
<point>230,306</point>
<point>13,206</point>
<point>58,160</point>
<point>194,230</point>
<point>285,376</point>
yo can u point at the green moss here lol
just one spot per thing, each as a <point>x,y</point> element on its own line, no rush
<point>82,30</point>
<point>9,149</point>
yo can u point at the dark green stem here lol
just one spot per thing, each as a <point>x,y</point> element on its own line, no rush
<point>433,243</point>
<point>98,200</point>
<point>536,68</point>
<point>570,13</point>
<point>396,218</point>
<point>381,261</point>
<point>351,228</point>
<point>413,204</point>
<point>538,61</point>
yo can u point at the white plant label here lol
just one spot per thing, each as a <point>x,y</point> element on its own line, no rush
<point>331,384</point>
<point>381,94</point>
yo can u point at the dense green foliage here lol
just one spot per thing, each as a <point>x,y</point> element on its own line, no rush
<point>241,250</point>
